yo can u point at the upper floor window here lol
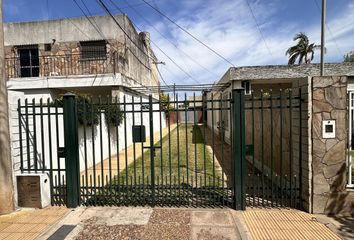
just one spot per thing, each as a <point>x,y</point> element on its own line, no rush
<point>28,60</point>
<point>93,49</point>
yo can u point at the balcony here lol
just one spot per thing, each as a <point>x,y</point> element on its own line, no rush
<point>62,65</point>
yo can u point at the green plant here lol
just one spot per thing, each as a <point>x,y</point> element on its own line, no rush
<point>349,57</point>
<point>113,114</point>
<point>87,113</point>
<point>301,50</point>
<point>165,104</point>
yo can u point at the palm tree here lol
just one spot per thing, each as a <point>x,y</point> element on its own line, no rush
<point>301,50</point>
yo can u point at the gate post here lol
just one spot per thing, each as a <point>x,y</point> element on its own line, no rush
<point>238,148</point>
<point>71,151</point>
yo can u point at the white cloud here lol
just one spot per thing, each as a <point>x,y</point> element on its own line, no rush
<point>228,27</point>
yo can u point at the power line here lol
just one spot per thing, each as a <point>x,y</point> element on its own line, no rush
<point>78,28</point>
<point>87,17</point>
<point>187,32</point>
<point>123,30</point>
<point>101,34</point>
<point>175,45</point>
<point>103,37</point>
<point>258,27</point>
<point>329,30</point>
<point>190,76</point>
<point>88,10</point>
<point>177,65</point>
<point>163,80</point>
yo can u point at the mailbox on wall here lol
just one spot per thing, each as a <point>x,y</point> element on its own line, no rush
<point>329,128</point>
<point>139,133</point>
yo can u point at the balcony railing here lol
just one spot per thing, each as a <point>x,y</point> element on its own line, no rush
<point>73,64</point>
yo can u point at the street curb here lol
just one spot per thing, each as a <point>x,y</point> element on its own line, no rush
<point>48,232</point>
<point>241,225</point>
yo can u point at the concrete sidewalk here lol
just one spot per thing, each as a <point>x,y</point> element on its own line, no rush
<point>151,223</point>
<point>29,223</point>
<point>285,224</point>
<point>167,223</point>
<point>342,225</point>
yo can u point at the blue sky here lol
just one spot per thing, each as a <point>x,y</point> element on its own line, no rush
<point>225,25</point>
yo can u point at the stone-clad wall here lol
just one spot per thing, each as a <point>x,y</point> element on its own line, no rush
<point>329,102</point>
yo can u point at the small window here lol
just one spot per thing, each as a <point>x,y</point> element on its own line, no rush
<point>47,47</point>
<point>28,60</point>
<point>247,86</point>
<point>93,50</point>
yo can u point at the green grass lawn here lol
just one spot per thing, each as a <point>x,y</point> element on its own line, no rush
<point>183,155</point>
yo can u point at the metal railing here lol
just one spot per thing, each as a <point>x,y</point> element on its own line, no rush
<point>140,151</point>
<point>171,166</point>
<point>62,65</point>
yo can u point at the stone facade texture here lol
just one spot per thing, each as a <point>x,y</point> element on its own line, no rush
<point>329,167</point>
<point>130,56</point>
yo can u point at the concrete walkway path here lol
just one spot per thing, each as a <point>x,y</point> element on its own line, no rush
<point>111,164</point>
<point>29,223</point>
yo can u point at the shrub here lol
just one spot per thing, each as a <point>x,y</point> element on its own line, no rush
<point>88,114</point>
<point>113,114</point>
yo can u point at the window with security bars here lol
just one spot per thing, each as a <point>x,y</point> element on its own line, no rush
<point>28,60</point>
<point>93,50</point>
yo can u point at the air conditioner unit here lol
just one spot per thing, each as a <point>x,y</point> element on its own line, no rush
<point>33,190</point>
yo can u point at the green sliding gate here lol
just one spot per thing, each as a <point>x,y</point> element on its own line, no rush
<point>134,150</point>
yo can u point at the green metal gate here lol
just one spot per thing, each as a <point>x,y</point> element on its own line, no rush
<point>213,150</point>
<point>274,148</point>
<point>135,150</point>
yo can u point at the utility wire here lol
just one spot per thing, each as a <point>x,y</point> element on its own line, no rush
<point>93,20</point>
<point>329,30</point>
<point>172,43</point>
<point>258,27</point>
<point>176,64</point>
<point>103,5</point>
<point>78,28</point>
<point>135,44</point>
<point>163,80</point>
<point>89,19</point>
<point>103,37</point>
<point>187,32</point>
<point>101,34</point>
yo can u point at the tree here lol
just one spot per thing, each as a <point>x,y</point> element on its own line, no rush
<point>349,57</point>
<point>301,50</point>
<point>165,102</point>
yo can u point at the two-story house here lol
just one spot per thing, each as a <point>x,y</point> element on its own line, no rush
<point>90,56</point>
<point>96,56</point>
